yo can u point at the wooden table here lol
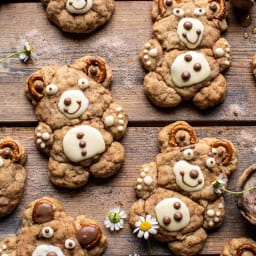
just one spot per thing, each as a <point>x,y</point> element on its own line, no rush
<point>120,42</point>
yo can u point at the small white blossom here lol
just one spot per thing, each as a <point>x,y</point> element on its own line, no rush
<point>115,219</point>
<point>219,184</point>
<point>146,226</point>
<point>25,50</point>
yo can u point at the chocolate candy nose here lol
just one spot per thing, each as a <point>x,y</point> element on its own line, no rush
<point>188,25</point>
<point>67,101</point>
<point>51,254</point>
<point>193,174</point>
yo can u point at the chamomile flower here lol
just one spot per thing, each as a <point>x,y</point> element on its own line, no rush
<point>146,226</point>
<point>24,51</point>
<point>115,219</point>
<point>219,184</point>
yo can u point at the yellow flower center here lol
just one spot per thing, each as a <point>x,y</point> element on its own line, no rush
<point>145,226</point>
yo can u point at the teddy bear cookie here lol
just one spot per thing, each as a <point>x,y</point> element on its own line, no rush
<point>79,16</point>
<point>240,247</point>
<point>186,55</point>
<point>79,122</point>
<point>47,230</point>
<point>176,188</point>
<point>12,174</point>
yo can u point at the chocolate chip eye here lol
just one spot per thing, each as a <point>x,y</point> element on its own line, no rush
<point>70,244</point>
<point>51,89</point>
<point>210,162</point>
<point>188,154</point>
<point>47,232</point>
<point>178,12</point>
<point>83,83</point>
<point>199,12</point>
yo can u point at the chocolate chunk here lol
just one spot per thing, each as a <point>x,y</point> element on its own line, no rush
<point>88,236</point>
<point>193,174</point>
<point>188,25</point>
<point>177,205</point>
<point>185,76</point>
<point>168,2</point>
<point>43,211</point>
<point>188,57</point>
<point>178,216</point>
<point>197,66</point>
<point>166,220</point>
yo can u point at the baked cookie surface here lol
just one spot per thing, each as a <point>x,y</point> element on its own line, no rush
<point>12,174</point>
<point>47,230</point>
<point>186,55</point>
<point>240,247</point>
<point>176,188</point>
<point>79,122</point>
<point>79,16</point>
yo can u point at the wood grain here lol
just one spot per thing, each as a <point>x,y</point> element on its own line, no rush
<point>120,42</point>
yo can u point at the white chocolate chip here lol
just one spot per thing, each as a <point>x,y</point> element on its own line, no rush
<point>4,254</point>
<point>211,224</point>
<point>147,45</point>
<point>121,121</point>
<point>146,169</point>
<point>109,120</point>
<point>226,43</point>
<point>39,134</point>
<point>146,57</point>
<point>214,150</point>
<point>39,128</point>
<point>38,141</point>
<point>153,52</point>
<point>148,180</point>
<point>220,205</point>
<point>45,136</point>
<point>210,213</point>
<point>118,109</point>
<point>216,219</point>
<point>219,52</point>
<point>227,55</point>
<point>148,63</point>
<point>218,213</point>
<point>4,246</point>
<point>139,187</point>
<point>227,63</point>
<point>42,145</point>
<point>139,180</point>
<point>120,116</point>
<point>227,49</point>
<point>120,128</point>
<point>145,51</point>
<point>142,174</point>
<point>1,161</point>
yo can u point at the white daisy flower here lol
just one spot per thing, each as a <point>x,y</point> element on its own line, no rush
<point>146,226</point>
<point>115,219</point>
<point>24,51</point>
<point>219,184</point>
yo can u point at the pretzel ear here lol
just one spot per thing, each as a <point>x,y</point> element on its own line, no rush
<point>95,68</point>
<point>222,10</point>
<point>163,4</point>
<point>10,149</point>
<point>229,150</point>
<point>182,126</point>
<point>35,86</point>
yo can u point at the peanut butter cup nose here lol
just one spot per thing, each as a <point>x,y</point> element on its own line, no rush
<point>188,25</point>
<point>67,101</point>
<point>51,254</point>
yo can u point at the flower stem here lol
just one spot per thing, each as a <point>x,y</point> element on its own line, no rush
<point>237,192</point>
<point>12,55</point>
<point>149,247</point>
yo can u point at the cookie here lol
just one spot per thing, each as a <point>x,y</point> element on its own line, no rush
<point>246,201</point>
<point>240,247</point>
<point>12,174</point>
<point>79,16</point>
<point>79,122</point>
<point>186,56</point>
<point>176,188</point>
<point>48,230</point>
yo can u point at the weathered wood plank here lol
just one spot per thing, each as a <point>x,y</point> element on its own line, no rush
<point>141,147</point>
<point>119,42</point>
